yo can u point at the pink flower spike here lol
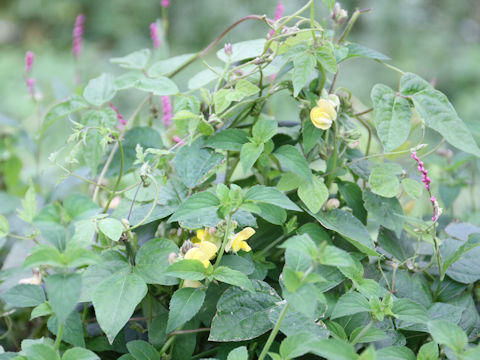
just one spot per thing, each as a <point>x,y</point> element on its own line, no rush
<point>178,140</point>
<point>167,110</point>
<point>78,35</point>
<point>31,86</point>
<point>120,117</point>
<point>155,36</point>
<point>433,199</point>
<point>278,15</point>
<point>165,3</point>
<point>29,57</point>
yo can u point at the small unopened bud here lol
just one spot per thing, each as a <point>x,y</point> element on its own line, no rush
<point>187,245</point>
<point>126,223</point>
<point>342,16</point>
<point>332,203</point>
<point>172,257</point>
<point>228,49</point>
<point>179,232</point>
<point>354,144</point>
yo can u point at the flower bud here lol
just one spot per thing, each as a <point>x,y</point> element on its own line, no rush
<point>228,49</point>
<point>172,257</point>
<point>187,245</point>
<point>332,203</point>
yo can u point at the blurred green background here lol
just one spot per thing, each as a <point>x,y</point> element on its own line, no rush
<point>437,39</point>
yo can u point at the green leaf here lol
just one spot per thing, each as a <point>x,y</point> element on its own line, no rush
<point>29,204</point>
<point>446,333</point>
<point>79,206</point>
<point>383,181</point>
<point>313,194</point>
<point>450,256</point>
<point>301,243</point>
<point>233,277</point>
<point>111,228</point>
<point>78,353</point>
<point>4,228</point>
<point>437,113</point>
<point>187,269</point>
<point>184,305</point>
<point>296,345</point>
<point>326,57</point>
<point>395,353</point>
<point>350,304</point>
<point>290,157</point>
<point>128,80</point>
<point>412,188</point>
<point>349,227</point>
<point>43,309</point>
<point>40,352</point>
<point>73,104</point>
<point>242,315</point>
<point>222,100</point>
<point>352,194</point>
<point>159,86</point>
<point>303,66</point>
<point>142,350</point>
<point>359,335</point>
<point>264,130</point>
<point>115,300</point>
<point>310,136</point>
<point>229,139</point>
<point>428,351</point>
<point>63,291</point>
<point>249,154</point>
<point>387,211</point>
<point>333,256</point>
<point>243,50</point>
<point>166,66</point>
<point>271,213</point>
<point>93,150</point>
<point>410,311</point>
<point>100,90</point>
<point>72,330</point>
<point>392,116</point>
<point>196,206</point>
<point>243,89</point>
<point>137,60</point>
<point>270,195</point>
<point>44,255</point>
<point>204,77</point>
<point>24,295</point>
<point>333,349</point>
<point>239,353</point>
<point>151,261</point>
<point>193,162</point>
<point>357,50</point>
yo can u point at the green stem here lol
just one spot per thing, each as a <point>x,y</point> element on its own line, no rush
<point>350,24</point>
<point>334,158</point>
<point>58,339</point>
<point>224,242</point>
<point>119,178</point>
<point>167,345</point>
<point>154,204</point>
<point>273,334</point>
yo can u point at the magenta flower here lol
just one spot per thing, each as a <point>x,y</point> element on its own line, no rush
<point>165,3</point>
<point>437,211</point>
<point>178,140</point>
<point>121,119</point>
<point>278,15</point>
<point>155,35</point>
<point>167,110</point>
<point>29,57</point>
<point>78,35</point>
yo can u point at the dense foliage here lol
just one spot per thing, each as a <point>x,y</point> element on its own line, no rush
<point>209,228</point>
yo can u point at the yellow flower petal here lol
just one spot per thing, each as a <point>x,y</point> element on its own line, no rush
<point>320,119</point>
<point>238,241</point>
<point>208,249</point>
<point>194,254</point>
<point>326,106</point>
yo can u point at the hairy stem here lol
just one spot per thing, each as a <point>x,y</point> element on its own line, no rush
<point>273,334</point>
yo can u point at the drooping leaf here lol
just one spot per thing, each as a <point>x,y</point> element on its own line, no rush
<point>185,303</point>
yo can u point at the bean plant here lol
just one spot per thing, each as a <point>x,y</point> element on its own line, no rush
<point>207,224</point>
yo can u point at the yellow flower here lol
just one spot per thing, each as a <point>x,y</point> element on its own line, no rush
<point>238,242</point>
<point>206,235</point>
<point>323,115</point>
<point>202,252</point>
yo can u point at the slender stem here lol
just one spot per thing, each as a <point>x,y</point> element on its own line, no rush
<point>350,24</point>
<point>133,199</point>
<point>364,112</point>
<point>58,339</point>
<point>273,334</point>
<point>224,242</point>
<point>154,204</point>
<point>206,353</point>
<point>270,246</point>
<point>334,158</point>
<point>190,331</point>
<point>115,147</point>
<point>167,345</point>
<point>370,133</point>
<point>215,42</point>
<point>332,85</point>
<point>119,178</point>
